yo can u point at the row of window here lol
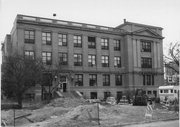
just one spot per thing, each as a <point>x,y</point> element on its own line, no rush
<point>78,79</point>
<point>147,80</point>
<point>63,59</point>
<point>168,91</point>
<point>93,80</point>
<point>29,36</point>
<point>77,39</point>
<point>119,94</point>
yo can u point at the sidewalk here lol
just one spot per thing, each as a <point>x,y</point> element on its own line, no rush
<point>168,123</point>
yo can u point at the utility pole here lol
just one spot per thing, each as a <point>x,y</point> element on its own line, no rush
<point>98,113</point>
<point>14,117</point>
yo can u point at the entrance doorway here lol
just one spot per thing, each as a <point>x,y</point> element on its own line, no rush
<point>63,80</point>
<point>64,87</point>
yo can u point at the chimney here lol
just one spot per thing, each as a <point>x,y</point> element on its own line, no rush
<point>124,20</point>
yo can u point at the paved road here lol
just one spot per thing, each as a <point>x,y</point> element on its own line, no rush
<point>174,123</point>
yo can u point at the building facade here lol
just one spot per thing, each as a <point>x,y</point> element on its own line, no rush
<point>97,61</point>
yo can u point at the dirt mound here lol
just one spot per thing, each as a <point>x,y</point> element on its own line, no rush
<point>67,102</point>
<point>82,112</point>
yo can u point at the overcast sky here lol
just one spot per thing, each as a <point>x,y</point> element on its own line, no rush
<point>162,13</point>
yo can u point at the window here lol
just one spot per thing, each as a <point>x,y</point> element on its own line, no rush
<point>92,42</point>
<point>117,45</point>
<point>106,80</point>
<point>46,38</point>
<point>93,95</point>
<point>170,79</point>
<point>78,80</point>
<point>29,36</point>
<point>62,38</point>
<point>29,54</point>
<point>91,60</point>
<point>171,91</point>
<point>165,91</point>
<point>149,92</point>
<point>107,94</point>
<point>146,62</point>
<point>148,79</point>
<point>174,91</point>
<point>104,43</point>
<point>47,58</point>
<point>92,80</point>
<point>77,59</point>
<point>77,41</point>
<point>117,61</point>
<point>161,91</point>
<point>145,46</point>
<point>63,60</point>
<point>118,79</point>
<point>105,61</point>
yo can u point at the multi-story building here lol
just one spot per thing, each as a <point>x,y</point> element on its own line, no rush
<point>97,61</point>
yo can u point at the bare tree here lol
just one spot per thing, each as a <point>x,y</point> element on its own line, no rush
<point>172,60</point>
<point>19,74</point>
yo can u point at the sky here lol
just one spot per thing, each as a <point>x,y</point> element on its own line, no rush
<point>162,13</point>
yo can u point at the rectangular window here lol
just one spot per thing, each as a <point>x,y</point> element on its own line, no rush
<point>171,91</point>
<point>148,79</point>
<point>161,91</point>
<point>105,61</point>
<point>149,92</point>
<point>92,42</point>
<point>62,39</point>
<point>93,95</point>
<point>78,80</point>
<point>165,91</point>
<point>146,62</point>
<point>77,59</point>
<point>29,36</point>
<point>29,54</point>
<point>146,46</point>
<point>117,45</point>
<point>118,79</point>
<point>104,43</point>
<point>107,94</point>
<point>47,58</point>
<point>92,80</point>
<point>77,41</point>
<point>170,79</point>
<point>106,80</point>
<point>91,60</point>
<point>63,58</point>
<point>46,38</point>
<point>117,61</point>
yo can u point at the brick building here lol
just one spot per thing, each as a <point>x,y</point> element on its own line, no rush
<point>97,61</point>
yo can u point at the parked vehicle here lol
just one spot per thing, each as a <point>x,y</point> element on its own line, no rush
<point>123,100</point>
<point>111,100</point>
